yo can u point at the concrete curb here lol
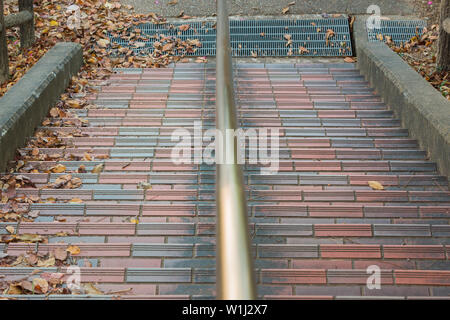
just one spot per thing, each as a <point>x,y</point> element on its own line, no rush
<point>24,106</point>
<point>419,106</point>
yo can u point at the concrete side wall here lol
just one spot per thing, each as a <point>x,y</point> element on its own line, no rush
<point>419,106</point>
<point>24,106</point>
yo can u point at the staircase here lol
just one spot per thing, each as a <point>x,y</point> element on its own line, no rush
<point>316,226</point>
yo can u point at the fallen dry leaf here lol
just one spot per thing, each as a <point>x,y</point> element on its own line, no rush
<point>50,262</point>
<point>375,185</point>
<point>89,288</point>
<point>184,27</point>
<point>74,250</point>
<point>60,254</point>
<point>15,289</point>
<point>349,60</point>
<point>134,220</point>
<point>302,50</point>
<point>98,168</point>
<point>27,237</point>
<point>10,229</point>
<point>59,168</point>
<point>76,200</point>
<point>40,285</point>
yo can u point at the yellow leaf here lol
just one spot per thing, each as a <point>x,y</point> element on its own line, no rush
<point>375,185</point>
<point>134,220</point>
<point>87,157</point>
<point>50,262</point>
<point>74,104</point>
<point>91,289</point>
<point>10,229</point>
<point>76,200</point>
<point>59,168</point>
<point>54,23</point>
<point>98,168</point>
<point>14,289</point>
<point>144,185</point>
<point>74,250</point>
<point>29,237</point>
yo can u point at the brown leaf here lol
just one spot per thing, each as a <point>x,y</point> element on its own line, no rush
<point>26,285</point>
<point>349,60</point>
<point>302,50</point>
<point>285,10</point>
<point>35,152</point>
<point>60,254</point>
<point>40,285</point>
<point>329,34</point>
<point>54,112</point>
<point>32,259</point>
<point>184,27</point>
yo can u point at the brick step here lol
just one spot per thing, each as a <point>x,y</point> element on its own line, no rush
<point>199,276</point>
<point>260,251</point>
<point>288,124</point>
<point>286,194</point>
<point>119,172</point>
<point>316,162</point>
<point>243,114</point>
<point>258,229</point>
<point>174,91</point>
<point>154,141</point>
<point>309,134</point>
<point>256,209</point>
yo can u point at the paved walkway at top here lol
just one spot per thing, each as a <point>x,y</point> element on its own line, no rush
<point>269,7</point>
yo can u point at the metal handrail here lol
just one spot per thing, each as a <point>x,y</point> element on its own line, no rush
<point>235,279</point>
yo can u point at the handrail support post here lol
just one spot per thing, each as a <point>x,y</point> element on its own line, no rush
<point>26,29</point>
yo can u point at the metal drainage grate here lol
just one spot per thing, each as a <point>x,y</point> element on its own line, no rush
<point>246,38</point>
<point>399,30</point>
